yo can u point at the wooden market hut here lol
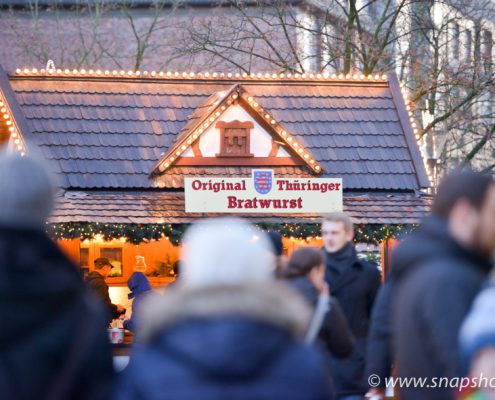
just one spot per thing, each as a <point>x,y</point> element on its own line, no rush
<point>122,143</point>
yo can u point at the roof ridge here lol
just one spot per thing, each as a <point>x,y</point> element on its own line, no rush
<point>210,76</point>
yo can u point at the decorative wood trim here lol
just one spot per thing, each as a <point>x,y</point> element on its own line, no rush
<point>274,151</point>
<point>234,124</point>
<point>412,145</point>
<point>195,148</point>
<point>238,161</point>
<point>268,128</point>
<point>245,126</point>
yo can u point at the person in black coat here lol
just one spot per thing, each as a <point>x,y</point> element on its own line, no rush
<point>53,340</point>
<point>96,283</point>
<point>227,330</point>
<point>305,271</point>
<point>354,283</point>
<point>439,270</point>
<point>379,349</point>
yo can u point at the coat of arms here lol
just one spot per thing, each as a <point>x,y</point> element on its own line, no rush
<point>263,181</point>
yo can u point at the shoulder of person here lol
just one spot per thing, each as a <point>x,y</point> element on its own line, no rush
<point>368,266</point>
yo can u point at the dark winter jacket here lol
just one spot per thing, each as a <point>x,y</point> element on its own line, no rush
<point>354,283</point>
<point>140,290</point>
<point>334,332</point>
<point>53,339</point>
<point>437,282</point>
<point>379,349</point>
<point>225,342</point>
<point>99,287</point>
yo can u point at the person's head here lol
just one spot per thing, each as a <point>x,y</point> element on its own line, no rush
<point>138,283</point>
<point>466,201</point>
<point>26,191</point>
<point>308,262</point>
<point>225,251</point>
<point>336,231</point>
<point>103,266</point>
<point>275,239</point>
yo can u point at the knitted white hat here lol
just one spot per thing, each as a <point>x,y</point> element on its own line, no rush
<point>26,191</point>
<point>225,251</point>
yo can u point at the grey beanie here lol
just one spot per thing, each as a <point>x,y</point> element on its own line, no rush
<point>26,191</point>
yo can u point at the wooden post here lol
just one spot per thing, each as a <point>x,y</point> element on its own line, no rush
<point>387,246</point>
<point>71,248</point>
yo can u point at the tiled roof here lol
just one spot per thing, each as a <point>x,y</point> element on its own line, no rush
<point>109,132</point>
<point>160,207</point>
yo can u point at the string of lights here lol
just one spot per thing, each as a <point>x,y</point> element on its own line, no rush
<point>139,233</point>
<point>193,75</point>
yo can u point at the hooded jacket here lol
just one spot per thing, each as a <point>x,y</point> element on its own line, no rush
<point>225,342</point>
<point>53,341</point>
<point>140,289</point>
<point>437,281</point>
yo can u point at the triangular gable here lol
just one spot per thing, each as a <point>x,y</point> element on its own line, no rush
<point>211,112</point>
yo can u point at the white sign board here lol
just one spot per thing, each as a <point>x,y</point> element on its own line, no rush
<point>263,193</point>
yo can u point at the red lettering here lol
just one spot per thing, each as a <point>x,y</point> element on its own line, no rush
<point>196,185</point>
<point>265,203</point>
<point>337,186</point>
<point>232,202</point>
<point>299,203</point>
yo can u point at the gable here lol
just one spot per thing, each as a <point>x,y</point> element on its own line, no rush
<point>261,141</point>
<point>222,127</point>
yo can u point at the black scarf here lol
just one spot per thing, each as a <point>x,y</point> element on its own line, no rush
<point>339,261</point>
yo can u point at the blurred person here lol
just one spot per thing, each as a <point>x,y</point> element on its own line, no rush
<point>439,269</point>
<point>354,283</point>
<point>477,343</point>
<point>96,282</point>
<point>379,349</point>
<point>227,329</point>
<point>140,288</point>
<point>306,273</point>
<point>53,339</point>
<point>275,239</point>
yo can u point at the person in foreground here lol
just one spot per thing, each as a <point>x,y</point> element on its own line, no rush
<point>227,330</point>
<point>354,283</point>
<point>439,269</point>
<point>53,338</point>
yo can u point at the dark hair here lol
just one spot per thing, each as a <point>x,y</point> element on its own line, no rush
<point>276,241</point>
<point>101,262</point>
<point>303,260</point>
<point>461,184</point>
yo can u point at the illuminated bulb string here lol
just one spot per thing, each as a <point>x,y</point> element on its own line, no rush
<point>50,70</point>
<point>15,136</point>
<point>139,233</point>
<point>416,134</point>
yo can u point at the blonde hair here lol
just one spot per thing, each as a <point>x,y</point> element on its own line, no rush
<point>340,216</point>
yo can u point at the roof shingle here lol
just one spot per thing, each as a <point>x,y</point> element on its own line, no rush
<point>109,132</point>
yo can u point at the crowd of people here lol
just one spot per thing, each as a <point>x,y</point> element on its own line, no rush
<point>245,322</point>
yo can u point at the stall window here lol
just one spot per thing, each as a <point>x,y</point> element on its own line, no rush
<point>114,255</point>
<point>235,139</point>
<point>84,260</point>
